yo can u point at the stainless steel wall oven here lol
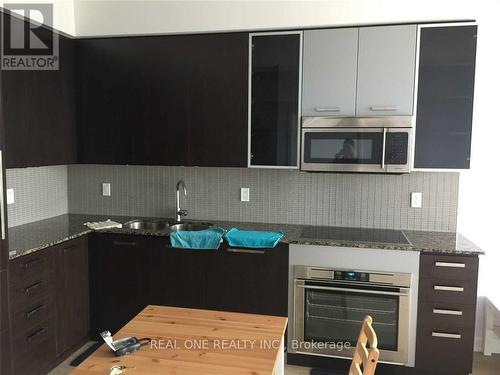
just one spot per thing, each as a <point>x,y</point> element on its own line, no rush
<point>330,304</point>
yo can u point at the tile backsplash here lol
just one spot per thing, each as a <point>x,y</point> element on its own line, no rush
<point>39,193</point>
<point>277,196</point>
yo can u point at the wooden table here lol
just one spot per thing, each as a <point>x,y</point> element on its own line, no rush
<point>190,341</point>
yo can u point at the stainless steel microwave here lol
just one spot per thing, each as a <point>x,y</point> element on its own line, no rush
<point>361,144</point>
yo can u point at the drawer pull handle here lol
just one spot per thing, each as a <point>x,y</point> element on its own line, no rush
<point>449,288</point>
<point>455,336</point>
<point>33,287</point>
<point>449,264</point>
<point>447,312</point>
<point>123,243</point>
<point>30,313</point>
<point>245,251</point>
<point>69,248</point>
<point>40,332</point>
<point>327,109</point>
<point>376,108</point>
<point>30,263</point>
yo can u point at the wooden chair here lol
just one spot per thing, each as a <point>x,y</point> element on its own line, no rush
<point>366,353</point>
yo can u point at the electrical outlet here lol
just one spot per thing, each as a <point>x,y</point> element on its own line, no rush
<point>106,189</point>
<point>10,196</point>
<point>245,194</point>
<point>416,200</point>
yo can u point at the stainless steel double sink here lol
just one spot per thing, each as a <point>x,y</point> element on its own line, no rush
<point>166,225</point>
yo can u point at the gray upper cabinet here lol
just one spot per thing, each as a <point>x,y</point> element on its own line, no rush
<point>386,70</point>
<point>329,72</point>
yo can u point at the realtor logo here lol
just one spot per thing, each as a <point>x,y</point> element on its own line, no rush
<point>28,45</point>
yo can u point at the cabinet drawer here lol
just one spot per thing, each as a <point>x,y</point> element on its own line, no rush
<point>31,292</point>
<point>30,267</point>
<point>446,315</point>
<point>444,290</point>
<point>34,350</point>
<point>33,314</point>
<point>449,267</point>
<point>449,350</point>
<point>71,245</point>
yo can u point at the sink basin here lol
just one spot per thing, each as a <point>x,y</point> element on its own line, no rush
<point>155,225</point>
<point>189,226</point>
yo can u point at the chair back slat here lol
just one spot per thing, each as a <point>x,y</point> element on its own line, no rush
<point>366,353</point>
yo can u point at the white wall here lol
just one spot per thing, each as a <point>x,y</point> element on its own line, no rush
<point>64,13</point>
<point>106,17</point>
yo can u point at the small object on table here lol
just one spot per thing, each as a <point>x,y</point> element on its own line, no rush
<point>124,346</point>
<point>117,370</point>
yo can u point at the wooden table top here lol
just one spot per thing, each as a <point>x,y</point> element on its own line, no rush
<point>191,341</point>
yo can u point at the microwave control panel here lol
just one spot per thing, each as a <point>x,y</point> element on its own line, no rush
<point>396,148</point>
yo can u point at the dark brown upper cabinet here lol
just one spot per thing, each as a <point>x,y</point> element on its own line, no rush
<point>445,96</point>
<point>163,100</point>
<point>38,114</point>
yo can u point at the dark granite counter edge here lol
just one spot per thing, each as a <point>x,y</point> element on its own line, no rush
<point>292,236</point>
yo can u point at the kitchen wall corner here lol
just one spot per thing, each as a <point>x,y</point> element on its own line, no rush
<point>40,193</point>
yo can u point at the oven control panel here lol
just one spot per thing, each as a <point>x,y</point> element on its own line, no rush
<point>351,276</point>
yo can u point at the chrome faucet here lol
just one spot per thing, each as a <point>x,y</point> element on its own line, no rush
<point>179,213</point>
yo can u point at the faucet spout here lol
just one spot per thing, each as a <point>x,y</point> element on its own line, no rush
<point>179,213</point>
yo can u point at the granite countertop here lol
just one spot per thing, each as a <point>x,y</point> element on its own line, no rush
<point>28,238</point>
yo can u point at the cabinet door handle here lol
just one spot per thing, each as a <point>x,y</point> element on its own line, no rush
<point>384,135</point>
<point>447,335</point>
<point>37,309</point>
<point>38,333</point>
<point>31,263</point>
<point>33,287</point>
<point>447,312</point>
<point>69,248</point>
<point>124,243</point>
<point>327,109</point>
<point>449,288</point>
<point>380,108</point>
<point>450,264</point>
<point>245,251</point>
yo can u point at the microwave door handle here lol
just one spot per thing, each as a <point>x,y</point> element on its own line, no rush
<point>383,147</point>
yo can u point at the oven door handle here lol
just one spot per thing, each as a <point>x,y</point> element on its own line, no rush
<point>403,291</point>
<point>384,135</point>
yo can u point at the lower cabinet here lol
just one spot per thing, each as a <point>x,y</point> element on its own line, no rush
<point>446,313</point>
<point>5,355</point>
<point>129,272</point>
<point>249,280</point>
<point>48,305</point>
<point>33,312</point>
<point>178,276</point>
<point>72,294</point>
<point>120,268</point>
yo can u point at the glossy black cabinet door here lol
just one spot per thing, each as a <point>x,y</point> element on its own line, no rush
<point>164,100</point>
<point>274,108</point>
<point>445,96</point>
